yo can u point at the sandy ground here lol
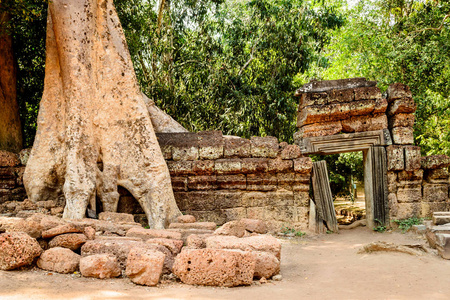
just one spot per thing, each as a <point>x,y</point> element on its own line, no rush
<point>313,267</point>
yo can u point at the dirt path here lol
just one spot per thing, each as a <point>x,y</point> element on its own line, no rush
<point>320,267</point>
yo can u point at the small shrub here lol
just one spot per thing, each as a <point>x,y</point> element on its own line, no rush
<point>287,230</point>
<point>405,224</point>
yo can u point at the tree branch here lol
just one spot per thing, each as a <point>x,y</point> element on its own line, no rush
<point>251,56</point>
<point>434,29</point>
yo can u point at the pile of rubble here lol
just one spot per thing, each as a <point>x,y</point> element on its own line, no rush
<point>197,253</point>
<point>438,233</point>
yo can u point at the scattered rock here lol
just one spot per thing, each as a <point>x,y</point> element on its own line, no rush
<point>89,232</point>
<point>121,247</point>
<point>197,225</point>
<point>266,264</point>
<point>235,228</point>
<point>215,267</point>
<point>29,226</point>
<point>277,277</point>
<point>146,234</point>
<point>62,229</point>
<point>390,247</point>
<point>254,225</point>
<point>116,217</point>
<point>265,243</point>
<point>17,249</point>
<point>197,241</point>
<point>61,260</point>
<point>173,245</point>
<point>145,266</point>
<point>72,241</point>
<point>186,219</point>
<point>100,266</point>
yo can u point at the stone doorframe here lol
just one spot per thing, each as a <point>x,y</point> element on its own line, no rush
<point>352,142</point>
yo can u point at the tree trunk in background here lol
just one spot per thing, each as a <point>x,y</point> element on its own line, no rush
<point>10,129</point>
<point>94,128</point>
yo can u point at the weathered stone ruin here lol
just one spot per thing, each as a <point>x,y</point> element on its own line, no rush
<point>113,246</point>
<point>352,115</point>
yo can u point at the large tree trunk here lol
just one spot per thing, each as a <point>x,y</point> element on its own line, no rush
<point>10,129</point>
<point>94,128</point>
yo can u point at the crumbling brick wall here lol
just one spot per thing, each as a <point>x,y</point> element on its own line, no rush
<point>221,178</point>
<point>417,185</point>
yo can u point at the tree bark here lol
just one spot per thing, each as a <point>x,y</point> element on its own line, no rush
<point>10,127</point>
<point>94,129</point>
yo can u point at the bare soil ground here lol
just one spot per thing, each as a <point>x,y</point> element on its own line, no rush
<point>313,267</point>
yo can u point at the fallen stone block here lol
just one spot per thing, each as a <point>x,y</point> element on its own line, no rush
<point>234,228</point>
<point>146,234</point>
<point>144,266</point>
<point>441,219</point>
<point>266,264</point>
<point>100,266</point>
<point>254,225</point>
<point>215,267</point>
<point>265,243</point>
<point>120,248</point>
<point>433,231</point>
<point>61,260</point>
<point>116,217</point>
<point>29,226</point>
<point>72,241</point>
<point>435,162</point>
<point>17,249</point>
<point>197,241</point>
<point>196,225</point>
<point>185,233</point>
<point>443,245</point>
<point>62,229</point>
<point>186,219</point>
<point>173,245</point>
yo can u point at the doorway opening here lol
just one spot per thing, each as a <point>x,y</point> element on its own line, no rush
<point>346,176</point>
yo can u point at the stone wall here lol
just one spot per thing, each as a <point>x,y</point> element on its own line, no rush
<point>417,185</point>
<point>220,178</point>
<point>214,177</point>
<point>12,192</point>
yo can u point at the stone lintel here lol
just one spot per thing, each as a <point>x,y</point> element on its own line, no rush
<point>327,85</point>
<point>341,143</point>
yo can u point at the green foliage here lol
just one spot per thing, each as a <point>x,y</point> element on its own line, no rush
<point>400,41</point>
<point>379,228</point>
<point>291,231</point>
<point>27,26</point>
<point>342,169</point>
<point>405,224</point>
<point>227,65</point>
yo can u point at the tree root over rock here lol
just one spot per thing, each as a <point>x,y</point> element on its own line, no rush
<point>415,249</point>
